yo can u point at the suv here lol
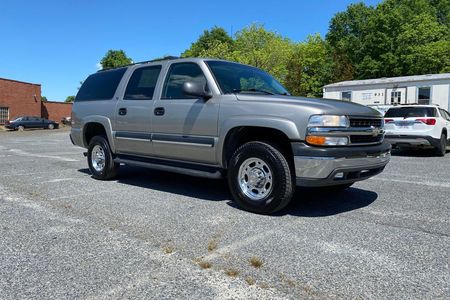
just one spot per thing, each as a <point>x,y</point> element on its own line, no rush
<point>214,118</point>
<point>424,126</point>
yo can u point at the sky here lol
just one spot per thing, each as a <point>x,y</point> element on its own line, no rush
<point>59,43</point>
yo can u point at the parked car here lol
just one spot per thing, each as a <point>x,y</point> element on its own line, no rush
<point>66,121</point>
<point>26,122</point>
<point>419,126</point>
<point>381,108</point>
<point>215,118</point>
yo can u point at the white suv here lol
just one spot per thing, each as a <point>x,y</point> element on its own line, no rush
<point>425,126</point>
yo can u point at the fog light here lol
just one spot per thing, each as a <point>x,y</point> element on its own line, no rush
<point>326,140</point>
<point>339,175</point>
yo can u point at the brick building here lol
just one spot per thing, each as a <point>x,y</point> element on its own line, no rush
<point>56,111</point>
<point>18,98</point>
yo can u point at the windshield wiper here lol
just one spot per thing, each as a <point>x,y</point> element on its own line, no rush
<point>252,90</point>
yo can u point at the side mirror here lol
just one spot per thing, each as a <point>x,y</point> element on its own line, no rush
<point>196,89</point>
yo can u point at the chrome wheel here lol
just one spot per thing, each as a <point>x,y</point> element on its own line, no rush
<point>255,178</point>
<point>51,126</point>
<point>98,158</point>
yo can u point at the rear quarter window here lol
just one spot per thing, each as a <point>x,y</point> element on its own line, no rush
<point>410,112</point>
<point>100,86</point>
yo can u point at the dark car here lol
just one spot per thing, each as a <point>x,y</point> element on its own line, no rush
<point>21,123</point>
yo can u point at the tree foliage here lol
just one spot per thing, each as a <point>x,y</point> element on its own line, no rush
<point>44,99</point>
<point>395,38</point>
<point>114,59</point>
<point>70,99</point>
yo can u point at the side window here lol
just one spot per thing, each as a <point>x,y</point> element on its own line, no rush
<point>100,86</point>
<point>445,114</point>
<point>142,83</point>
<point>178,74</point>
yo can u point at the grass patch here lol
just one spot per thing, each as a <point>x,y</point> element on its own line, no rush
<point>212,245</point>
<point>250,280</point>
<point>168,249</point>
<point>256,262</point>
<point>205,264</point>
<point>232,272</point>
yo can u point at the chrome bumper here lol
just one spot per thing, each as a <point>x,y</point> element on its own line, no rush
<point>325,170</point>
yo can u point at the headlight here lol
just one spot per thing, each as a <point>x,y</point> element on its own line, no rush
<point>328,121</point>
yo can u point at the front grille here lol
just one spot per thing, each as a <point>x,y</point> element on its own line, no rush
<point>365,139</point>
<point>360,122</point>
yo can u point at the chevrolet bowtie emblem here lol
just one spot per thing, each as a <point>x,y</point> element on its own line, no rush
<point>375,131</point>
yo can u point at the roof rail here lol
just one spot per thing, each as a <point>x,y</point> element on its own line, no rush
<point>142,62</point>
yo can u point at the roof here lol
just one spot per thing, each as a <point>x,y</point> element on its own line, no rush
<point>391,80</point>
<point>18,81</point>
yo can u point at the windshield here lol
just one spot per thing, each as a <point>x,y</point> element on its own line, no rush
<point>237,78</point>
<point>410,112</point>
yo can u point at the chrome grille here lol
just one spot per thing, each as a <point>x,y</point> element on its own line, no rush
<point>363,122</point>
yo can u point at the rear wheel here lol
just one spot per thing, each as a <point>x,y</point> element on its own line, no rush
<point>100,159</point>
<point>20,128</point>
<point>260,178</point>
<point>51,126</point>
<point>442,147</point>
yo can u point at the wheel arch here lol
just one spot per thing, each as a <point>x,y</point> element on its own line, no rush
<point>98,126</point>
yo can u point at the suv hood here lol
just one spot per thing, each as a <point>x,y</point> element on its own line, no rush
<point>325,106</point>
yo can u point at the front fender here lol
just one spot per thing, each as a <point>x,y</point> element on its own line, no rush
<point>286,126</point>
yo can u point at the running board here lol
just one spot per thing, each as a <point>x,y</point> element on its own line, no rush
<point>171,166</point>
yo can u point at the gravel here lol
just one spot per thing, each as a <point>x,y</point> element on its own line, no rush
<point>148,234</point>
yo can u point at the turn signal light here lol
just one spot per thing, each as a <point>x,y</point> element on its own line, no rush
<point>326,140</point>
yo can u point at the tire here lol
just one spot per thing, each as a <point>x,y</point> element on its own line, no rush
<point>103,169</point>
<point>20,128</point>
<point>51,126</point>
<point>260,178</point>
<point>442,147</point>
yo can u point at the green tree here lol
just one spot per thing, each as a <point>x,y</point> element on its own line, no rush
<point>114,59</point>
<point>398,37</point>
<point>44,99</point>
<point>215,43</point>
<point>256,46</point>
<point>70,99</point>
<point>310,67</point>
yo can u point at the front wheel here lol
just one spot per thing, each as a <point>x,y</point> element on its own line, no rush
<point>100,159</point>
<point>442,147</point>
<point>20,128</point>
<point>260,178</point>
<point>51,126</point>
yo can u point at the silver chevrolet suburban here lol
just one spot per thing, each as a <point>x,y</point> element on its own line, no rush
<point>215,118</point>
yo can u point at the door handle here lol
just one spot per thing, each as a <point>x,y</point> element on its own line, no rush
<point>122,111</point>
<point>159,111</point>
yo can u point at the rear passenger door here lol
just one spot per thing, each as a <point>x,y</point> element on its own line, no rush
<point>134,112</point>
<point>445,114</point>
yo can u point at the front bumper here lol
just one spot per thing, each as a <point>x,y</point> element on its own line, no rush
<point>412,140</point>
<point>326,166</point>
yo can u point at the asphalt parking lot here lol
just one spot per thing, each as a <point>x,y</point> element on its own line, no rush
<point>153,234</point>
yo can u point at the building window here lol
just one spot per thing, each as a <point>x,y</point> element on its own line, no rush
<point>367,96</point>
<point>346,96</point>
<point>4,115</point>
<point>424,95</point>
<point>396,96</point>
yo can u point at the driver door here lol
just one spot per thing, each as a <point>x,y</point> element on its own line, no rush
<point>185,127</point>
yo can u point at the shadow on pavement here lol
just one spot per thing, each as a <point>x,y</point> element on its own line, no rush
<point>414,152</point>
<point>306,202</point>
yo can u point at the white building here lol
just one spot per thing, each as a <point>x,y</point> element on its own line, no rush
<point>422,89</point>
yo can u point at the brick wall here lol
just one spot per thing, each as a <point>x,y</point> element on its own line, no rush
<point>56,110</point>
<point>21,98</point>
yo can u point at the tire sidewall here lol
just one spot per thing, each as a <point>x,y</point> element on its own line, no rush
<point>102,142</point>
<point>270,202</point>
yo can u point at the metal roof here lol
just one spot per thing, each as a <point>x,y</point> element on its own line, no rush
<point>390,80</point>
